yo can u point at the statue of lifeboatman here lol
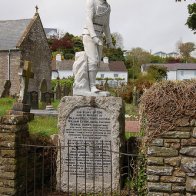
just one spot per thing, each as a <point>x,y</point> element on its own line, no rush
<point>87,62</point>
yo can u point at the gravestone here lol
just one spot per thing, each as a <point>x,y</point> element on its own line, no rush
<point>52,96</point>
<point>46,98</point>
<point>66,90</point>
<point>6,91</point>
<point>93,128</point>
<point>43,88</point>
<point>58,91</point>
<point>33,100</point>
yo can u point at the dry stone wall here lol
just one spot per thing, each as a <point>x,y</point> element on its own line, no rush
<point>13,131</point>
<point>169,110</point>
<point>171,162</point>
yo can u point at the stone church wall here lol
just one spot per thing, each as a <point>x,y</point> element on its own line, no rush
<point>14,69</point>
<point>35,49</point>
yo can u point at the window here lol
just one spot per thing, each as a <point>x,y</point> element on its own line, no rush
<point>181,73</point>
<point>102,75</point>
<point>116,75</point>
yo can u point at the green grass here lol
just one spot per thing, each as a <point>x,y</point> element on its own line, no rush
<point>133,134</point>
<point>55,104</point>
<point>132,111</point>
<point>47,125</point>
<point>43,126</point>
<point>5,105</point>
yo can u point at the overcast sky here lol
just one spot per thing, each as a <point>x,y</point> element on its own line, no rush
<point>155,25</point>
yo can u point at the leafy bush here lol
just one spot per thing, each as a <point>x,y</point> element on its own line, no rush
<point>68,82</point>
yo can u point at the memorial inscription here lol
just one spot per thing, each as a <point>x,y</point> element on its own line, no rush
<point>88,134</point>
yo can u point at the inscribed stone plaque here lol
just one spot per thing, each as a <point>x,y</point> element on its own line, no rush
<point>90,131</point>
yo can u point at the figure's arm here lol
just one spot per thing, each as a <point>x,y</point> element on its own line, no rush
<point>89,17</point>
<point>89,21</point>
<point>108,33</point>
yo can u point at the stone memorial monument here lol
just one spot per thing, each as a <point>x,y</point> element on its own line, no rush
<point>91,122</point>
<point>91,135</point>
<point>87,62</point>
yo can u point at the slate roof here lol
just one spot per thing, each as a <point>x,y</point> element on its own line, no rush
<point>66,65</point>
<point>11,32</point>
<point>117,66</point>
<point>174,66</point>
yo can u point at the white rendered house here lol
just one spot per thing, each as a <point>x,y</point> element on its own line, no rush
<point>176,71</point>
<point>114,71</point>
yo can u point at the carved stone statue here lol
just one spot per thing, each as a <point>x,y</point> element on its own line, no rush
<point>86,63</point>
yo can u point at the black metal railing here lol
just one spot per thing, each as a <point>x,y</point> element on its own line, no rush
<point>81,168</point>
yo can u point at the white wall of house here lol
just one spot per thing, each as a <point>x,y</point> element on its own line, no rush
<point>181,75</point>
<point>111,74</point>
<point>65,74</point>
<point>171,75</point>
<point>186,74</point>
<point>54,75</point>
<point>108,74</point>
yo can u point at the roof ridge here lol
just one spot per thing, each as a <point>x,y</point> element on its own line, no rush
<point>16,19</point>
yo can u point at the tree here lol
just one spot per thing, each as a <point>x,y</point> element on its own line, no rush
<point>191,21</point>
<point>66,44</point>
<point>134,60</point>
<point>185,49</point>
<point>157,72</point>
<point>113,54</point>
<point>118,40</point>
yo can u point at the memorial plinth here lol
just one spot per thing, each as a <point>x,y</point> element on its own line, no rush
<point>91,131</point>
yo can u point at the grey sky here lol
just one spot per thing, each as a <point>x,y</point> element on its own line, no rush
<point>154,25</point>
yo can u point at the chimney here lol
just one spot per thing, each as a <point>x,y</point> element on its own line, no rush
<point>106,60</point>
<point>58,57</point>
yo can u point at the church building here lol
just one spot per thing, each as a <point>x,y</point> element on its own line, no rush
<point>24,40</point>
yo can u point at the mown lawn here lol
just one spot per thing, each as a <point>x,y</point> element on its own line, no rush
<point>43,126</point>
<point>47,125</point>
<point>132,111</point>
<point>5,105</point>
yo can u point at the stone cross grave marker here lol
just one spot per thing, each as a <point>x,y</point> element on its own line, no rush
<point>25,75</point>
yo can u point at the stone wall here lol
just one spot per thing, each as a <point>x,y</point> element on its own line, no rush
<point>13,131</point>
<point>171,160</point>
<point>15,57</point>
